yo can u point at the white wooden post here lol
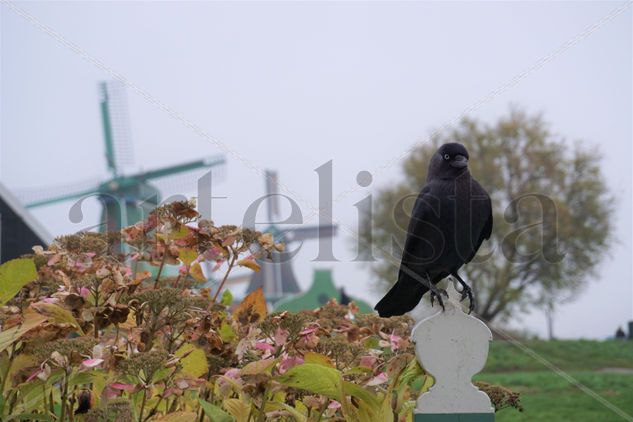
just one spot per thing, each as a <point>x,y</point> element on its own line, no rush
<point>453,347</point>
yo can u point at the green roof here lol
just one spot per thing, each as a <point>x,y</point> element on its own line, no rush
<point>322,290</point>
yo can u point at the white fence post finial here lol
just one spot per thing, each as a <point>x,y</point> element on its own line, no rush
<point>453,347</point>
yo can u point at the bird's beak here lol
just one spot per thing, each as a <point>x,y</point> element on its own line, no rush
<point>459,161</point>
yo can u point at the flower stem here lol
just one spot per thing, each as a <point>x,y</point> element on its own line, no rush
<point>160,269</point>
<point>140,416</point>
<point>226,276</point>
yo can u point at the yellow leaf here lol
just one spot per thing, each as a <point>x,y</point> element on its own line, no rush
<point>19,363</point>
<point>130,322</point>
<point>13,334</point>
<point>181,232</point>
<point>294,411</point>
<point>177,417</point>
<point>140,276</point>
<point>57,314</point>
<point>428,383</point>
<point>239,409</point>
<point>196,272</point>
<point>249,263</point>
<point>257,367</point>
<point>319,359</point>
<point>252,309</point>
<point>187,255</point>
<point>14,275</point>
<point>195,363</point>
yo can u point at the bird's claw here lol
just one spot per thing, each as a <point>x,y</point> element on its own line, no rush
<point>467,292</point>
<point>437,293</point>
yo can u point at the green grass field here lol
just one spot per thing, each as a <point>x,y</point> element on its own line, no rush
<point>605,368</point>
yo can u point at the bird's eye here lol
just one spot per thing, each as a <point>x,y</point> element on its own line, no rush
<point>446,156</point>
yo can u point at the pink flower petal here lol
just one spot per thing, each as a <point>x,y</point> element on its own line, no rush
<point>368,361</point>
<point>33,375</point>
<point>334,405</point>
<point>288,362</point>
<point>264,346</point>
<point>378,379</point>
<point>396,342</point>
<point>308,331</point>
<point>125,387</point>
<point>281,336</point>
<point>84,292</point>
<point>91,363</point>
<point>233,373</point>
<point>53,260</point>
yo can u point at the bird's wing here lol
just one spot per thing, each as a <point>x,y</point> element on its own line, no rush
<point>419,233</point>
<point>486,230</point>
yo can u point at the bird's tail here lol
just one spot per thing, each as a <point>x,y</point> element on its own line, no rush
<point>403,297</point>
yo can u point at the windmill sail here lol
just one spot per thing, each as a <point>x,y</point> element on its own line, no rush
<point>116,126</point>
<point>46,195</point>
<point>272,191</point>
<point>125,198</point>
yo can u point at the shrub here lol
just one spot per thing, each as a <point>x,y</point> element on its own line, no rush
<point>100,333</point>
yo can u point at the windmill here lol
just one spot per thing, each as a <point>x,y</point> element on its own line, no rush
<point>125,199</point>
<point>277,277</point>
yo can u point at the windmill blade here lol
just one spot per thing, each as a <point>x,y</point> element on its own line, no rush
<point>272,191</point>
<point>116,125</point>
<point>35,197</point>
<point>309,232</point>
<point>187,181</point>
<point>205,163</point>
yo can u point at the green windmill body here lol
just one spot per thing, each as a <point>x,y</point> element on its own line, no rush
<point>125,199</point>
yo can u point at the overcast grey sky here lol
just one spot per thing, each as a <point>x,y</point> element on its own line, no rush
<point>291,85</point>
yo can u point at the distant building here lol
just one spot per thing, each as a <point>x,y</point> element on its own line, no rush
<point>321,291</point>
<point>19,230</point>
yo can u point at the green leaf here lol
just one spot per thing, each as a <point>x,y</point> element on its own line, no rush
<point>227,298</point>
<point>362,394</point>
<point>195,363</point>
<point>315,378</point>
<point>31,395</point>
<point>214,412</point>
<point>227,334</point>
<point>81,378</point>
<point>29,417</point>
<point>14,275</point>
<point>411,372</point>
<point>161,374</point>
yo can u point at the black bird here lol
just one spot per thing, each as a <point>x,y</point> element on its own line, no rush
<point>451,218</point>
